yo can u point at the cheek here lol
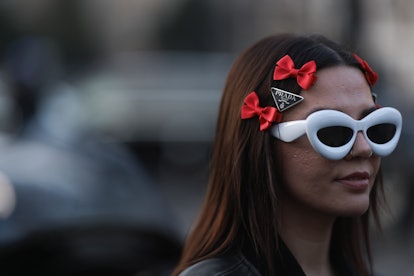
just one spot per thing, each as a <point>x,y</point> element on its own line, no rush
<point>301,161</point>
<point>376,164</point>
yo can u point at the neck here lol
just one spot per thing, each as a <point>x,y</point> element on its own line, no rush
<point>307,234</point>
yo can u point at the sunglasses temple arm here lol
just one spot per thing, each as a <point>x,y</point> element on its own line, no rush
<point>289,131</point>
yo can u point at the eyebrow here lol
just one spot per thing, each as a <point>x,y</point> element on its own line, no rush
<point>364,112</point>
<point>367,111</point>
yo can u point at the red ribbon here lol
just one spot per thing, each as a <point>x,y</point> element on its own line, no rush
<point>305,76</point>
<point>267,115</point>
<point>370,74</point>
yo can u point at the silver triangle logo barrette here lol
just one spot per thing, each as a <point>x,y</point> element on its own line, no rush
<point>284,99</point>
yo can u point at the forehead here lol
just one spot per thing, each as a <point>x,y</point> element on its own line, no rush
<point>341,88</point>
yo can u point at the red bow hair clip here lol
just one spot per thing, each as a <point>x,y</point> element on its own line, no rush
<point>370,74</point>
<point>305,76</point>
<point>267,115</point>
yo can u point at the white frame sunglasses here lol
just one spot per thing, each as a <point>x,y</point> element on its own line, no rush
<point>346,128</point>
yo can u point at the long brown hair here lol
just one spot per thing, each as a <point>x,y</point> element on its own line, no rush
<point>242,204</point>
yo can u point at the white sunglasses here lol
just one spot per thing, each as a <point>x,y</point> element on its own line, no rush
<point>332,133</point>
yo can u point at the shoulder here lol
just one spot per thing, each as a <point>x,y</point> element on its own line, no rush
<point>222,266</point>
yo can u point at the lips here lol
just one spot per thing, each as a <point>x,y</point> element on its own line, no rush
<point>356,181</point>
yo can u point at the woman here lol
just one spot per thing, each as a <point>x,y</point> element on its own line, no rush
<point>295,172</point>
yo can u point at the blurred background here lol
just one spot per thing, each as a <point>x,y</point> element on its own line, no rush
<point>107,116</point>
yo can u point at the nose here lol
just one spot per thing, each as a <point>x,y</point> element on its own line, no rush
<point>361,148</point>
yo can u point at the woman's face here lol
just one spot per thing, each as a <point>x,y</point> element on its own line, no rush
<point>340,187</point>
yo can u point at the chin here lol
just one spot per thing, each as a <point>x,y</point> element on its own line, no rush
<point>354,209</point>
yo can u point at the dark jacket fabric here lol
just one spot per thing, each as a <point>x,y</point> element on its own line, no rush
<point>245,264</point>
<point>222,266</point>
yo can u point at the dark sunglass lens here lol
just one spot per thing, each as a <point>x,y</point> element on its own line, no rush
<point>335,136</point>
<point>382,133</point>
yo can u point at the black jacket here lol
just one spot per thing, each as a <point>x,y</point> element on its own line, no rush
<point>247,265</point>
<point>229,266</point>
